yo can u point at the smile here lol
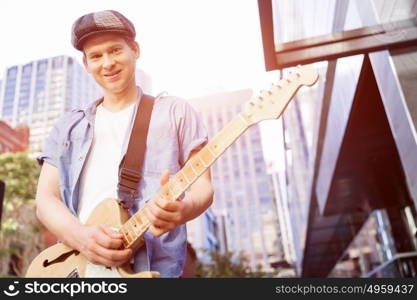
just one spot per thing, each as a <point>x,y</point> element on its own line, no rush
<point>112,76</point>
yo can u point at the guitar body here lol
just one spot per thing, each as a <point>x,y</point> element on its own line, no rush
<point>62,261</point>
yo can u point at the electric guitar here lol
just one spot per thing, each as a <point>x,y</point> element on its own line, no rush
<point>62,261</point>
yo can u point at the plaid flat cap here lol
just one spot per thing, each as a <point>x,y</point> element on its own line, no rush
<point>100,22</point>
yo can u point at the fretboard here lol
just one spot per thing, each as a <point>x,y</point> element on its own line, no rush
<point>138,224</point>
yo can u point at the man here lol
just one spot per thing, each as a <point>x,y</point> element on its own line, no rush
<point>83,152</point>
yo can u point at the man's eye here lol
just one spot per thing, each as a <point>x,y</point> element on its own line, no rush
<point>116,50</point>
<point>95,56</point>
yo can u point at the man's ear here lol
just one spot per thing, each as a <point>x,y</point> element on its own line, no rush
<point>137,49</point>
<point>85,63</point>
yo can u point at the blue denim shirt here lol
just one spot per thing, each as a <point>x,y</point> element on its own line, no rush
<point>175,130</point>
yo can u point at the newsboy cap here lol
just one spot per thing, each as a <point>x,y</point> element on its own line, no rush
<point>100,22</point>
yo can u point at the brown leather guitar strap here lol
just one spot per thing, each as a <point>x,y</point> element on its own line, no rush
<point>131,165</point>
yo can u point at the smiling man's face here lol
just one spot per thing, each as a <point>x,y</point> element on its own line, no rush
<point>111,61</point>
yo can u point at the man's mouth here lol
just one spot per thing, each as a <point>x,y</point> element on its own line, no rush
<point>112,75</point>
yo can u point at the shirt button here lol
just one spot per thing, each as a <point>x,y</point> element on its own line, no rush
<point>80,158</point>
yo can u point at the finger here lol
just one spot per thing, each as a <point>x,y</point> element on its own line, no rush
<point>161,223</point>
<point>100,255</point>
<point>164,177</point>
<point>165,204</point>
<point>105,240</point>
<point>162,214</point>
<point>109,263</point>
<point>155,231</point>
<point>112,233</point>
<point>150,214</point>
<point>114,256</point>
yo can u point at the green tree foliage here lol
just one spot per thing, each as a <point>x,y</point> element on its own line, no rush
<point>19,236</point>
<point>20,173</point>
<point>229,265</point>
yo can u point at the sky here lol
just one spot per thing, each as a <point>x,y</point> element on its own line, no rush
<point>189,48</point>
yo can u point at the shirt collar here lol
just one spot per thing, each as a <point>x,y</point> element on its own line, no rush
<point>91,109</point>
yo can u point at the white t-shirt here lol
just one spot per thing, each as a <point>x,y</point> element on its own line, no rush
<point>99,177</point>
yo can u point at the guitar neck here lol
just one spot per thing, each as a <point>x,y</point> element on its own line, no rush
<point>138,224</point>
<point>267,106</point>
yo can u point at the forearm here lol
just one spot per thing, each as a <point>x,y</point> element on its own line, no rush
<point>198,199</point>
<point>97,243</point>
<point>56,217</point>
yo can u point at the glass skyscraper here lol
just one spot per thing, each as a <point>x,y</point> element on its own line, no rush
<point>350,140</point>
<point>39,92</point>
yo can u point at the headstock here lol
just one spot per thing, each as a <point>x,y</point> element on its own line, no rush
<point>270,104</point>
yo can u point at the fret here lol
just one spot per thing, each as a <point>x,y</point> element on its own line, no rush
<point>138,219</point>
<point>188,173</point>
<point>165,192</point>
<point>131,229</point>
<point>206,156</point>
<point>196,165</point>
<point>125,235</point>
<point>134,226</point>
<point>227,136</point>
<point>170,188</point>
<point>210,151</point>
<point>220,142</point>
<point>143,219</point>
<point>180,180</point>
<point>235,128</point>
<point>125,243</point>
<point>176,189</point>
<point>129,233</point>
<point>141,214</point>
<point>214,148</point>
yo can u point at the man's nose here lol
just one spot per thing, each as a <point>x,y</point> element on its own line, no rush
<point>108,61</point>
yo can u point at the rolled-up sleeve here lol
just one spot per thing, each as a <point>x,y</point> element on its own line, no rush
<point>192,134</point>
<point>50,149</point>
